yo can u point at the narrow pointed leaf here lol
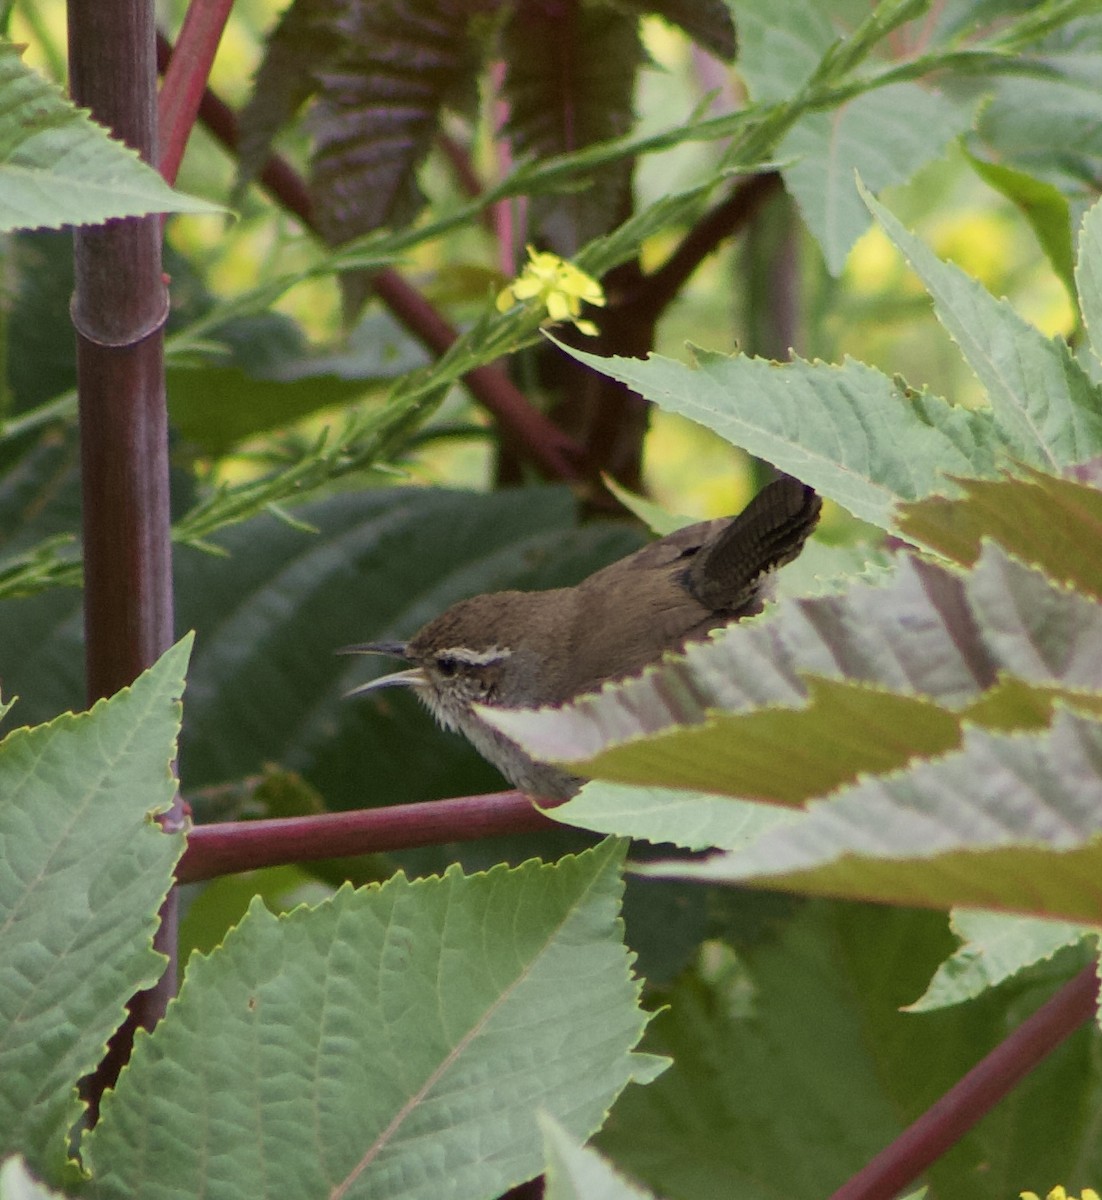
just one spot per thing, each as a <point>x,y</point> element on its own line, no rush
<point>693,820</point>
<point>379,106</point>
<point>84,870</point>
<point>1009,822</point>
<point>58,167</point>
<point>396,1042</point>
<point>1041,519</point>
<point>1042,401</point>
<point>786,755</point>
<point>1044,206</point>
<point>303,42</point>
<point>855,435</point>
<point>885,136</point>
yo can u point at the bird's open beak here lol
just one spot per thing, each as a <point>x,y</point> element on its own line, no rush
<point>412,677</point>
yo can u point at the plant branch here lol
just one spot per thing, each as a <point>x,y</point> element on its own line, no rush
<point>555,453</point>
<point>950,1118</point>
<point>223,849</point>
<point>660,287</point>
<point>119,307</point>
<point>185,79</point>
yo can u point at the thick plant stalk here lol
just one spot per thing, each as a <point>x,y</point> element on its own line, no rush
<point>215,850</point>
<point>119,307</point>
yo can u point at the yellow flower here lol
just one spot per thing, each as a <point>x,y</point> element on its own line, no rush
<point>1060,1193</point>
<point>560,286</point>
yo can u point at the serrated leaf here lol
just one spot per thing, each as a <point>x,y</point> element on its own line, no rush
<point>379,105</point>
<point>1046,116</point>
<point>84,871</point>
<point>1088,276</point>
<point>693,820</point>
<point>996,947</point>
<point>569,83</point>
<point>782,42</point>
<point>1042,401</point>
<point>303,41</point>
<point>396,1042</point>
<point>1009,822</point>
<point>577,1173</point>
<point>935,638</point>
<point>58,167</point>
<point>785,755</point>
<point>855,435</point>
<point>1041,519</point>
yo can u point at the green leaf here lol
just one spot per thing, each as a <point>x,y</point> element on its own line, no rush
<point>1088,275</point>
<point>996,947</point>
<point>1043,403</point>
<point>58,167</point>
<point>218,407</point>
<point>85,871</point>
<point>855,435</point>
<point>1042,520</point>
<point>885,136</point>
<point>569,84</point>
<point>793,1065</point>
<point>965,829</point>
<point>1044,206</point>
<point>785,755</point>
<point>776,1087</point>
<point>693,820</point>
<point>575,1173</point>
<point>1045,116</point>
<point>654,516</point>
<point>395,1042</point>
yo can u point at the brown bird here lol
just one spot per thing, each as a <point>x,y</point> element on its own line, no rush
<point>531,649</point>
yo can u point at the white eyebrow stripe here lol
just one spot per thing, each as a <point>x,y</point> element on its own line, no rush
<point>475,658</point>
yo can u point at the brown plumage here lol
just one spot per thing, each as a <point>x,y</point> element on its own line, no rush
<point>530,649</point>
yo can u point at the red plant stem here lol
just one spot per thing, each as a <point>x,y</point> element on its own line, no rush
<point>222,849</point>
<point>119,306</point>
<point>729,216</point>
<point>186,78</point>
<point>950,1118</point>
<point>554,452</point>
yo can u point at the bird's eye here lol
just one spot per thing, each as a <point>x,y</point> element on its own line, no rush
<point>445,664</point>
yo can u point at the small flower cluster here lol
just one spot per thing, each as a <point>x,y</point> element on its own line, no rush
<point>559,286</point>
<point>1061,1193</point>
